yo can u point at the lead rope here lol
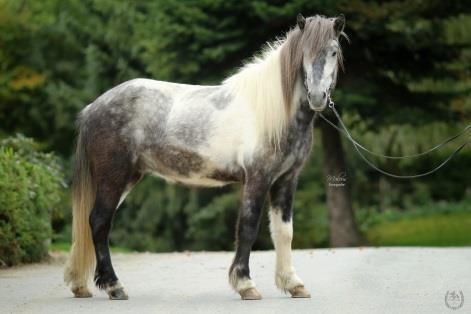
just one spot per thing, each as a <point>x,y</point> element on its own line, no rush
<point>358,146</point>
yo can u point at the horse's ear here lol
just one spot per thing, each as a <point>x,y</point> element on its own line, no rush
<point>301,21</point>
<point>339,24</point>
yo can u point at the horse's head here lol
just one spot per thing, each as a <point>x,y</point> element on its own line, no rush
<point>321,56</point>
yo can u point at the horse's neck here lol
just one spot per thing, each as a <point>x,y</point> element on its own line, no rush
<point>302,119</point>
<point>298,136</point>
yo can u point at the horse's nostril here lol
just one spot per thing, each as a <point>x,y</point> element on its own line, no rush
<point>308,95</point>
<point>324,95</point>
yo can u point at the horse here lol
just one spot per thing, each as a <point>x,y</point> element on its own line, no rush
<point>255,128</point>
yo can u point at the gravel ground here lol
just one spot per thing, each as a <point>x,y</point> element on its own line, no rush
<point>356,280</point>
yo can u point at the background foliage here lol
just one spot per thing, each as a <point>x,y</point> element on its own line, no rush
<point>407,85</point>
<point>32,186</point>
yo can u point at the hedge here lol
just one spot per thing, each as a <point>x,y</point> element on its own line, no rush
<point>31,187</point>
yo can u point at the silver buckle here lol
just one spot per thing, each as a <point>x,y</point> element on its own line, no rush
<point>331,103</point>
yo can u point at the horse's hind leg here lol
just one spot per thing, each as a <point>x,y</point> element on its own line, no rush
<point>107,200</point>
<point>281,229</point>
<point>114,178</point>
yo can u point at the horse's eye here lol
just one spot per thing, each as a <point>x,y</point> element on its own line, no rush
<point>334,53</point>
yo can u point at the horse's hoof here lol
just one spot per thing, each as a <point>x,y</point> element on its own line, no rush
<point>118,294</point>
<point>82,292</point>
<point>299,292</point>
<point>250,294</point>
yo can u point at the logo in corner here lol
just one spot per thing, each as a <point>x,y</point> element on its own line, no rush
<point>454,299</point>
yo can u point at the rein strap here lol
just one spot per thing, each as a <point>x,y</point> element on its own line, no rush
<point>359,147</point>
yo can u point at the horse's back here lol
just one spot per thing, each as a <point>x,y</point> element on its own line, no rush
<point>128,109</point>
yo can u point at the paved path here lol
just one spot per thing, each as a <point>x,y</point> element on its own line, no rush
<point>384,280</point>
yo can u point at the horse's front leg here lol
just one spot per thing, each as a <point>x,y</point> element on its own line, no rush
<point>281,228</point>
<point>254,193</point>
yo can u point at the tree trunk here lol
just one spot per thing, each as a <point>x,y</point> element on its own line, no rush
<point>343,228</point>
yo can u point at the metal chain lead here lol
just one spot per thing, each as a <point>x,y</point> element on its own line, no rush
<point>357,147</point>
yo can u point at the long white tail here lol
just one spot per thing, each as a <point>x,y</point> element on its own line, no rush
<point>82,256</point>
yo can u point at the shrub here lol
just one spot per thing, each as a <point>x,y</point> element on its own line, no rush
<point>31,186</point>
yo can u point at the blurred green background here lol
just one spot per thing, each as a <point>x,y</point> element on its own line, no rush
<point>406,87</point>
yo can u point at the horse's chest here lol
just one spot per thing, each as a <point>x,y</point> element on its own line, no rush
<point>295,154</point>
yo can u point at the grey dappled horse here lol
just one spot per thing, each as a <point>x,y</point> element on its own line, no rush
<point>255,128</point>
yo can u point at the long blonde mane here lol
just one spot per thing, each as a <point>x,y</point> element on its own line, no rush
<point>268,82</point>
<point>258,83</point>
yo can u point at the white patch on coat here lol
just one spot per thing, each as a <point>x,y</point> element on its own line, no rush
<point>282,235</point>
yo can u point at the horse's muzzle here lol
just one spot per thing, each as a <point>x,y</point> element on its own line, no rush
<point>317,102</point>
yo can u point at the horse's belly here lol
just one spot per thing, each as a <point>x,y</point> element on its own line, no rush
<point>195,180</point>
<point>188,168</point>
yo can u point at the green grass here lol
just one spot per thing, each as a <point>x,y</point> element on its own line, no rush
<point>441,229</point>
<point>65,247</point>
<point>62,247</point>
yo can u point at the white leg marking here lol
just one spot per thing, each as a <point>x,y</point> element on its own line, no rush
<point>282,235</point>
<point>114,287</point>
<point>240,284</point>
